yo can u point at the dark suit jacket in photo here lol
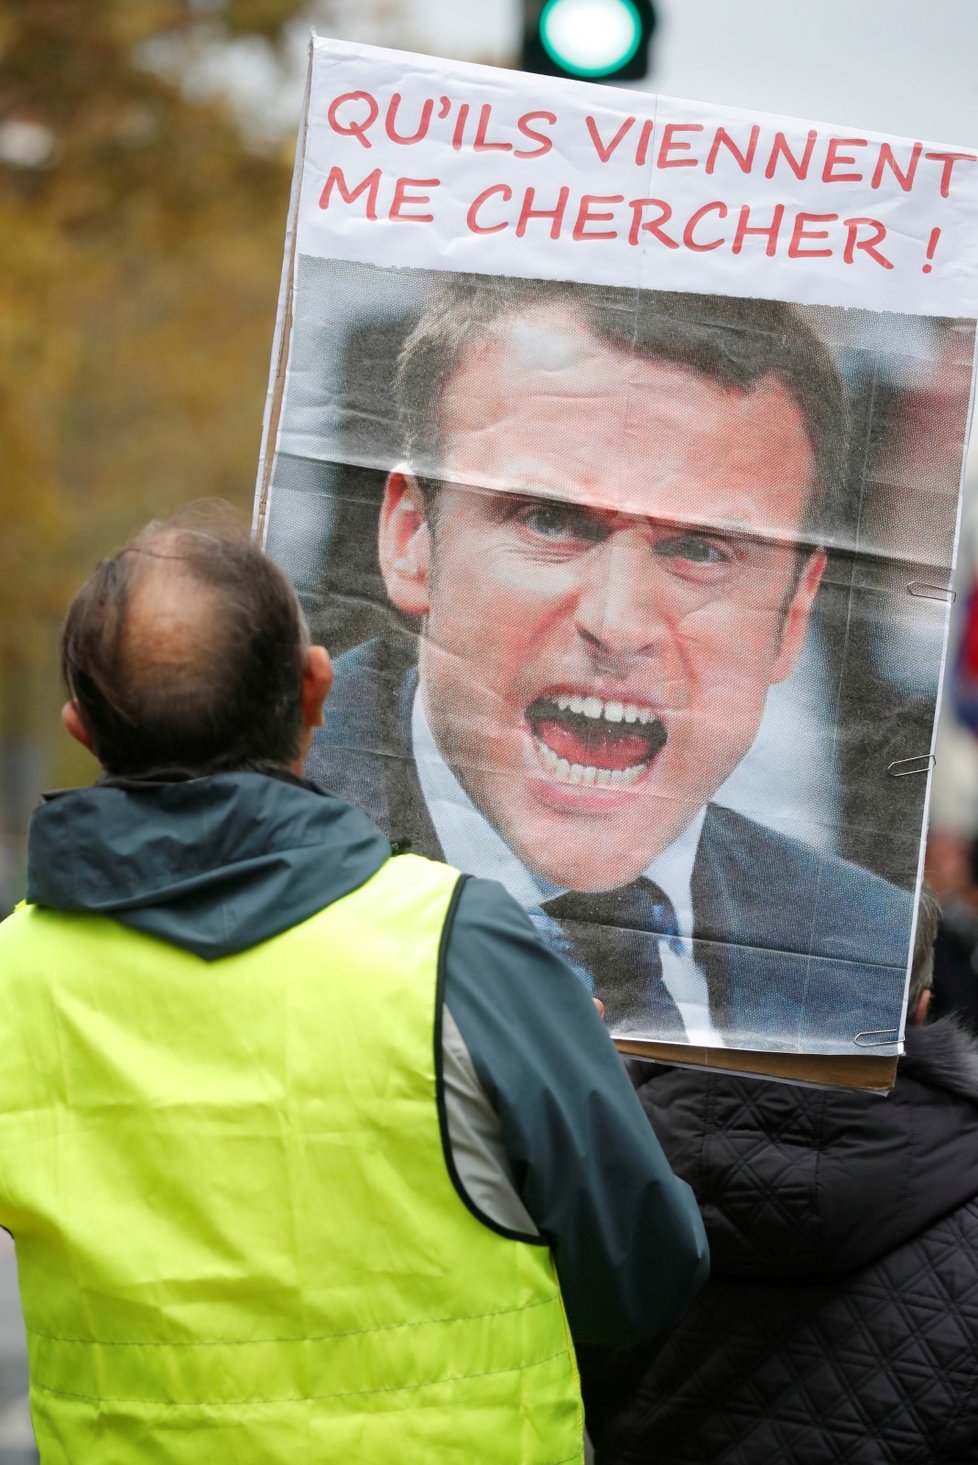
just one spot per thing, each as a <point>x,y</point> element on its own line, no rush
<point>802,951</point>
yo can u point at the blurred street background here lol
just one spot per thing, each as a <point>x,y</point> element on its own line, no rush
<point>146,152</point>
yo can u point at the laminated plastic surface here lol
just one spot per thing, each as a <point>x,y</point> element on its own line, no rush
<point>634,554</point>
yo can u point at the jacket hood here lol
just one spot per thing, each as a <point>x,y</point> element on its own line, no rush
<point>213,865</point>
<point>797,1183</point>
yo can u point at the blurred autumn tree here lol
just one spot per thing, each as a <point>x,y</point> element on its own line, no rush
<point>140,250</point>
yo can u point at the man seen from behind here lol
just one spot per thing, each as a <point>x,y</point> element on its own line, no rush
<point>298,1164</point>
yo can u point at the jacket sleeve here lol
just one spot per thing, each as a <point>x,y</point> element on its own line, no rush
<point>626,1233</point>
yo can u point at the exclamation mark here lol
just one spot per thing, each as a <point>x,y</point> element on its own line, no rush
<point>935,234</point>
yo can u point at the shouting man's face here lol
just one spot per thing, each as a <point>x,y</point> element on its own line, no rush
<point>610,582</point>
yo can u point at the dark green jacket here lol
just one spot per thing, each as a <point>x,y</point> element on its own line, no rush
<point>544,1136</point>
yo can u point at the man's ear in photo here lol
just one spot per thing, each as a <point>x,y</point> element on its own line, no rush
<point>404,544</point>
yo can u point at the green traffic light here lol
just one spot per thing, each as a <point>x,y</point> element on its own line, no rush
<point>590,38</point>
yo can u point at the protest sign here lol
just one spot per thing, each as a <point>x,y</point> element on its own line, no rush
<point>614,443</point>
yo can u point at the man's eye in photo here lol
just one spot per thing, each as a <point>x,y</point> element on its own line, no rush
<point>554,521</point>
<point>696,549</point>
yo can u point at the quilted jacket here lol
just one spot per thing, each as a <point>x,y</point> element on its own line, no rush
<point>840,1323</point>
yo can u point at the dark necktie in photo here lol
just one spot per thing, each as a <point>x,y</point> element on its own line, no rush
<point>616,935</point>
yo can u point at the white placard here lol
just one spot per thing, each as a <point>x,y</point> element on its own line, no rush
<point>444,165</point>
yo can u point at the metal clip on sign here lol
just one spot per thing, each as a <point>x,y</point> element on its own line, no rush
<point>877,1038</point>
<point>932,592</point>
<point>904,767</point>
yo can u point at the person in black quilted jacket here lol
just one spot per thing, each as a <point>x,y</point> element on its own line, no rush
<point>840,1323</point>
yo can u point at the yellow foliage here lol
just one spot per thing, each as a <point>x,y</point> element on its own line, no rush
<point>139,264</point>
<point>140,253</point>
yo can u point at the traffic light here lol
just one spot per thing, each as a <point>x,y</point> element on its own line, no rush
<point>593,40</point>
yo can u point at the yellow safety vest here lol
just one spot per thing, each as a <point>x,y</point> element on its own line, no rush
<point>237,1236</point>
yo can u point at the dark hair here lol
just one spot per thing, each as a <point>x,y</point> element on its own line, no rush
<point>222,690</point>
<point>922,966</point>
<point>732,341</point>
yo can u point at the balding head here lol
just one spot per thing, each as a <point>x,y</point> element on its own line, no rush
<point>185,652</point>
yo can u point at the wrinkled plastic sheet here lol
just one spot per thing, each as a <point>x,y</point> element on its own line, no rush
<point>634,558</point>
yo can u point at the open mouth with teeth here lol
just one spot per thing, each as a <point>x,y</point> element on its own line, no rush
<point>585,740</point>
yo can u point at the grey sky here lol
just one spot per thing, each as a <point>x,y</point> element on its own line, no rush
<point>888,65</point>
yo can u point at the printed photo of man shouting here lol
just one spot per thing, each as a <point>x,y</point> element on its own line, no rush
<point>604,538</point>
